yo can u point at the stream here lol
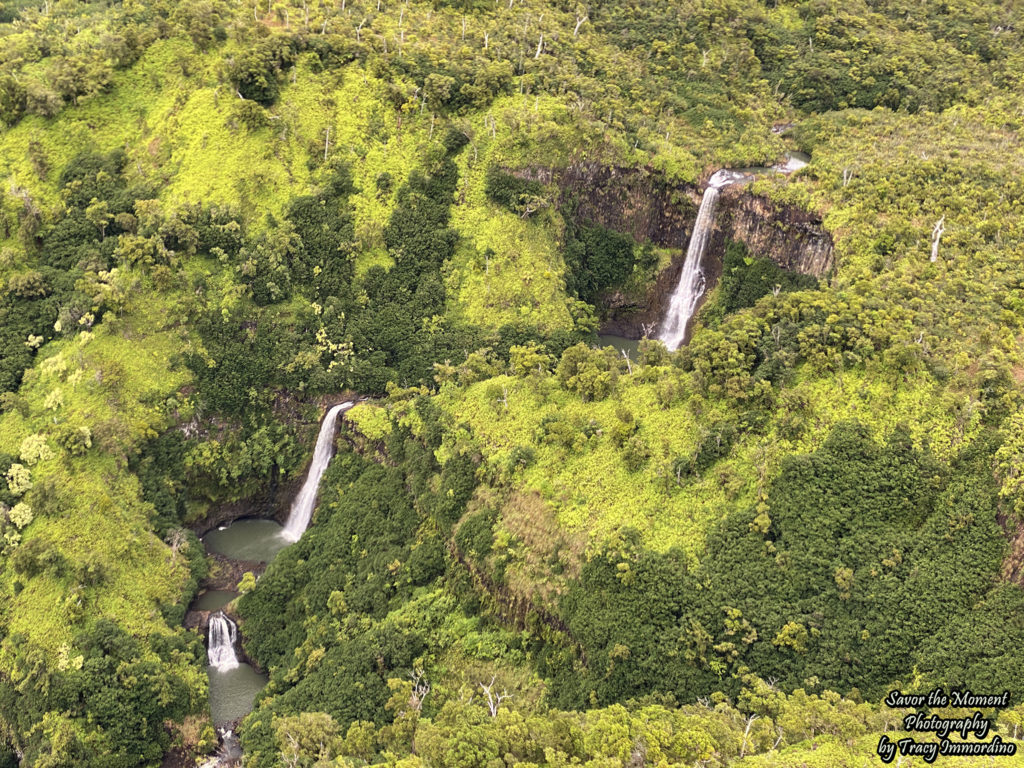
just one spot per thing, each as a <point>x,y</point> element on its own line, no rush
<point>233,688</point>
<point>234,684</point>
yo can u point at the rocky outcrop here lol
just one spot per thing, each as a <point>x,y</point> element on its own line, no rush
<point>634,201</point>
<point>639,202</point>
<point>791,237</point>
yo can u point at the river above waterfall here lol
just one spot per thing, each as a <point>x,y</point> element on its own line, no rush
<point>247,539</point>
<point>792,162</point>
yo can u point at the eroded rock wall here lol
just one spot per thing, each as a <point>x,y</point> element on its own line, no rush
<point>639,202</point>
<point>791,237</point>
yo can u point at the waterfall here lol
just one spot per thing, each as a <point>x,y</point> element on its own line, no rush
<point>221,643</point>
<point>302,508</point>
<point>692,282</point>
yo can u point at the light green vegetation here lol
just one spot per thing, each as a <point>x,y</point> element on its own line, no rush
<point>116,383</point>
<point>592,492</point>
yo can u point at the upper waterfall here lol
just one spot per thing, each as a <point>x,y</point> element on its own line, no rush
<point>302,508</point>
<point>692,282</point>
<point>221,643</point>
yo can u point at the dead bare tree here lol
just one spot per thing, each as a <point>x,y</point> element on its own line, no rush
<point>176,540</point>
<point>420,689</point>
<point>746,734</point>
<point>939,229</point>
<point>494,699</point>
<point>579,23</point>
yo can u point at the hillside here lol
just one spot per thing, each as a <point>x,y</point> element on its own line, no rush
<point>216,217</point>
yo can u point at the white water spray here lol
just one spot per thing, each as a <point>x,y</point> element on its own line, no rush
<point>221,643</point>
<point>302,508</point>
<point>692,282</point>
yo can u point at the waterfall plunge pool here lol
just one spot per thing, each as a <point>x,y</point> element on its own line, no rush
<point>232,692</point>
<point>622,344</point>
<point>234,684</point>
<point>247,539</point>
<point>213,599</point>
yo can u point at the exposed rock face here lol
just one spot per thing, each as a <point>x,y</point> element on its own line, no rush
<point>634,201</point>
<point>639,202</point>
<point>271,504</point>
<point>791,237</point>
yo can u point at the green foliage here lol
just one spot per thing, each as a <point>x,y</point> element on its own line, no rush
<point>373,515</point>
<point>475,536</point>
<point>850,534</point>
<point>180,261</point>
<point>856,530</point>
<point>324,226</point>
<point>746,278</point>
<point>591,373</point>
<point>597,259</point>
<point>510,191</point>
<point>127,691</point>
<point>241,355</point>
<point>256,71</point>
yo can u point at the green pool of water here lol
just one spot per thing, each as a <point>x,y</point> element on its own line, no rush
<point>232,692</point>
<point>213,599</point>
<point>630,346</point>
<point>249,539</point>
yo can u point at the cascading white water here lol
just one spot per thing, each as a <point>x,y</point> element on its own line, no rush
<point>302,507</point>
<point>692,282</point>
<point>221,643</point>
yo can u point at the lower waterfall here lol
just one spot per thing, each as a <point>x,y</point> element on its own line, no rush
<point>221,643</point>
<point>692,282</point>
<point>302,508</point>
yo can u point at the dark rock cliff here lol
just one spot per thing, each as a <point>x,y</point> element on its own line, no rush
<point>641,203</point>
<point>791,237</point>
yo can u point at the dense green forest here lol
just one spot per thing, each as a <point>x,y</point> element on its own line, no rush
<point>530,549</point>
